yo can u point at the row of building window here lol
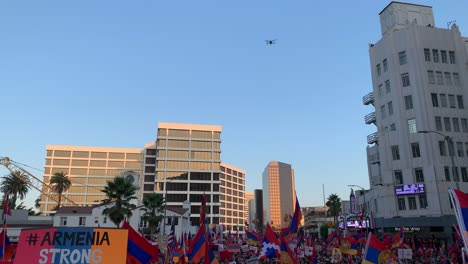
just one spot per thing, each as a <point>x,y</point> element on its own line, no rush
<point>462,148</point>
<point>232,172</point>
<point>163,132</point>
<point>443,56</point>
<point>96,155</point>
<point>81,221</point>
<point>449,175</point>
<point>444,78</point>
<point>412,203</point>
<point>232,192</point>
<point>402,59</point>
<point>447,100</point>
<point>451,124</point>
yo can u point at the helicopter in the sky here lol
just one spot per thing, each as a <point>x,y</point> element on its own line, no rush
<point>270,41</point>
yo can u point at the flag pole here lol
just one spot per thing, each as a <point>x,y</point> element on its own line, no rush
<point>4,218</point>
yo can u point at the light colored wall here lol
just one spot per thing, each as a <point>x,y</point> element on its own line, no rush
<point>413,39</point>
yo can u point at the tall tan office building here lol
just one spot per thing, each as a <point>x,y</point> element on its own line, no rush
<point>278,193</point>
<point>232,198</point>
<point>249,210</point>
<point>187,166</point>
<point>89,168</point>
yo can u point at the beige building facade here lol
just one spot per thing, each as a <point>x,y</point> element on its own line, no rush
<point>89,169</point>
<point>232,198</point>
<point>188,158</point>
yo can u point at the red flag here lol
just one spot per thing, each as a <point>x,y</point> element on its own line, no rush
<point>6,206</point>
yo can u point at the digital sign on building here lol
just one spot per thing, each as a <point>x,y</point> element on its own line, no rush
<point>410,189</point>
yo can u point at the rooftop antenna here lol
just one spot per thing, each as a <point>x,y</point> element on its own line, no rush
<point>450,23</point>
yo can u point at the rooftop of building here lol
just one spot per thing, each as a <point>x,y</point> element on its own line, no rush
<point>91,148</point>
<point>228,166</point>
<point>75,210</point>
<point>403,3</point>
<point>201,127</point>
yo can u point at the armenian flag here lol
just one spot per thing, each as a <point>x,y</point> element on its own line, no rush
<point>139,250</point>
<point>270,245</point>
<point>197,247</point>
<point>296,219</point>
<point>253,237</point>
<point>6,248</point>
<point>460,202</point>
<point>286,256</point>
<point>332,237</point>
<point>373,249</point>
<point>349,245</point>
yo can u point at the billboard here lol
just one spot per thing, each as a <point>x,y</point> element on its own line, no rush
<point>410,189</point>
<point>72,245</point>
<point>354,224</point>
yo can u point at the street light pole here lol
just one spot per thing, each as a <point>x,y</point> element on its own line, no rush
<point>450,142</point>
<point>364,198</point>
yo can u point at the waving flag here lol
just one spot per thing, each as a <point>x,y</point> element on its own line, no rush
<point>7,250</point>
<point>373,249</point>
<point>139,250</point>
<point>460,202</point>
<point>270,245</point>
<point>398,238</point>
<point>286,255</point>
<point>349,245</point>
<point>197,247</point>
<point>297,217</point>
<point>253,237</point>
<point>332,237</point>
<point>6,208</point>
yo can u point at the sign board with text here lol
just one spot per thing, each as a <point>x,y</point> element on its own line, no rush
<point>72,245</point>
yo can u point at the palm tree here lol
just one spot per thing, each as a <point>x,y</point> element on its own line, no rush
<point>60,183</point>
<point>15,184</point>
<point>154,206</point>
<point>334,206</point>
<point>120,192</point>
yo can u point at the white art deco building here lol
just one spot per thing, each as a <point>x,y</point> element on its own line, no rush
<point>419,79</point>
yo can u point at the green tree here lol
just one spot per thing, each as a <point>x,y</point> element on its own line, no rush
<point>120,191</point>
<point>323,231</point>
<point>15,184</point>
<point>153,206</point>
<point>37,203</point>
<point>60,183</point>
<point>334,207</point>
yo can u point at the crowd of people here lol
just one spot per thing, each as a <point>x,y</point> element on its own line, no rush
<point>423,251</point>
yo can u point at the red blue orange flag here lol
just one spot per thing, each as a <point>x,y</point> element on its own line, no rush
<point>198,244</point>
<point>373,249</point>
<point>296,219</point>
<point>460,201</point>
<point>139,250</point>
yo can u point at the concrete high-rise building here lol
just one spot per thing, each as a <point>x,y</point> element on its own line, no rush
<point>187,166</point>
<point>249,214</point>
<point>89,168</point>
<point>232,197</point>
<point>278,193</point>
<point>420,84</point>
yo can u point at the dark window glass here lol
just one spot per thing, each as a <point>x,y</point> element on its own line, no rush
<point>419,175</point>
<point>415,150</point>
<point>435,101</point>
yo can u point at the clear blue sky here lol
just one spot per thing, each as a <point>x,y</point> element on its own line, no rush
<point>104,73</point>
